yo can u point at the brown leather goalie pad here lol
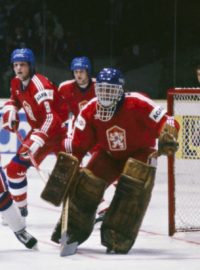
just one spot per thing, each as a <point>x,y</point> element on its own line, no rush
<point>83,204</point>
<point>62,176</point>
<point>125,214</point>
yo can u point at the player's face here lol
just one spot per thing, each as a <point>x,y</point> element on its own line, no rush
<point>81,77</point>
<point>108,94</point>
<point>22,70</point>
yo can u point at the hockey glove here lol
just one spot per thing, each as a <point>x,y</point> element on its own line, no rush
<point>10,118</point>
<point>32,144</point>
<point>167,142</point>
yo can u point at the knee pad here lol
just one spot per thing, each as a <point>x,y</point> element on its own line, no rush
<point>125,214</point>
<point>17,182</point>
<point>83,205</point>
<point>17,166</point>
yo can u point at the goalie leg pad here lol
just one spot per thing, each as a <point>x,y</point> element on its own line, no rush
<point>59,182</point>
<point>56,234</point>
<point>83,204</point>
<point>125,214</point>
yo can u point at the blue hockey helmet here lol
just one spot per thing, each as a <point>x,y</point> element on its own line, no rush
<point>109,91</point>
<point>23,55</point>
<point>111,76</point>
<point>81,63</point>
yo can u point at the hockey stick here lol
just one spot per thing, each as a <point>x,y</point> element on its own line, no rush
<point>66,248</point>
<point>32,159</point>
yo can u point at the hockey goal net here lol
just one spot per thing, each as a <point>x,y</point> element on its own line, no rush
<point>184,168</point>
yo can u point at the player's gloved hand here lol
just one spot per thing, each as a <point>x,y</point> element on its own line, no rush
<point>10,118</point>
<point>32,145</point>
<point>167,142</point>
<point>28,148</point>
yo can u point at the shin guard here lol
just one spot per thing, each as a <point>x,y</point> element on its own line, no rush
<point>83,204</point>
<point>125,214</point>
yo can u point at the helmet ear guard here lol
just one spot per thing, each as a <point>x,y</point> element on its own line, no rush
<point>109,91</point>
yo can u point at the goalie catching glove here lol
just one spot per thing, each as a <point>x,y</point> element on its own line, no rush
<point>167,142</point>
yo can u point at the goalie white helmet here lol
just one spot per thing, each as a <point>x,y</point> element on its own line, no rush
<point>109,91</point>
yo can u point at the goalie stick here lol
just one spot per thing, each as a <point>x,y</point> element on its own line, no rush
<point>67,249</point>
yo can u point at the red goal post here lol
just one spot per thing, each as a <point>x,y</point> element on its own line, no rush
<point>184,168</point>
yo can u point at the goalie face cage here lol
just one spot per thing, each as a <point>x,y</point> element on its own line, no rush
<point>184,168</point>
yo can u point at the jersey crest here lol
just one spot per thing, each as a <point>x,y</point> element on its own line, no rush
<point>28,109</point>
<point>116,138</point>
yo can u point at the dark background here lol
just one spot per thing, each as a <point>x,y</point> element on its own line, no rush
<point>154,42</point>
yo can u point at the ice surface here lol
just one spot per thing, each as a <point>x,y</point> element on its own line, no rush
<point>153,249</point>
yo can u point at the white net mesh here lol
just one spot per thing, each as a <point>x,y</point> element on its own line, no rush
<point>187,162</point>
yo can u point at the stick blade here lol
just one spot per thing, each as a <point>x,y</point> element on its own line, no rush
<point>67,249</point>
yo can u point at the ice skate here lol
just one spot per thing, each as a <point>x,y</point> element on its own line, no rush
<point>26,238</point>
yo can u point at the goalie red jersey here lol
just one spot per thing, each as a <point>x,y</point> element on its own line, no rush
<point>134,127</point>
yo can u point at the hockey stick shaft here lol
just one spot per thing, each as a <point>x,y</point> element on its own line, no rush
<point>66,201</point>
<point>67,249</point>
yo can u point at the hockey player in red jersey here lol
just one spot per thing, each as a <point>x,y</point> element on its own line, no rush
<point>80,90</point>
<point>126,126</point>
<point>12,216</point>
<point>77,93</point>
<point>46,113</point>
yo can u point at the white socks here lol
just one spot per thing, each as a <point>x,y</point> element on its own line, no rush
<point>13,218</point>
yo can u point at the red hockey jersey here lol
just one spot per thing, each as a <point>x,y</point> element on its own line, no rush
<point>44,108</point>
<point>135,126</point>
<point>74,97</point>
